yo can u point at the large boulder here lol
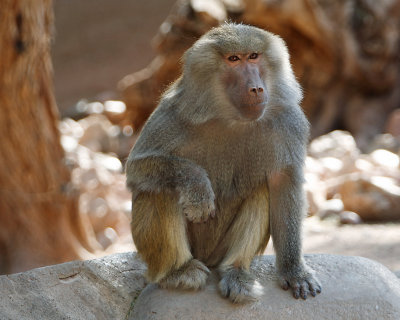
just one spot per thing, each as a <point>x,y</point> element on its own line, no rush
<point>112,288</point>
<point>353,288</point>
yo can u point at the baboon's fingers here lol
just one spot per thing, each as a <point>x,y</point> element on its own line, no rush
<point>284,284</point>
<point>301,286</point>
<point>315,288</point>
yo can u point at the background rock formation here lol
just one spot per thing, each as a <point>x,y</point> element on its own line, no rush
<point>345,55</point>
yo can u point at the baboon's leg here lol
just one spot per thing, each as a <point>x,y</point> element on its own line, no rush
<point>248,235</point>
<point>159,233</point>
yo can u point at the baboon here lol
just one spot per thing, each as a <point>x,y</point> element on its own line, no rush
<point>218,167</point>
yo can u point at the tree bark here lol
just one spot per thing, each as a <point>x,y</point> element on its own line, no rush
<point>39,218</point>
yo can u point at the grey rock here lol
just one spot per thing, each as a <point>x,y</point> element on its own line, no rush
<point>352,288</point>
<point>112,288</point>
<point>397,273</point>
<point>96,289</point>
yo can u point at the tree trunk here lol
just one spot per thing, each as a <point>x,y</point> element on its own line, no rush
<point>39,218</point>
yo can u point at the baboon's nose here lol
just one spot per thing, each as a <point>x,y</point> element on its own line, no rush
<point>255,91</point>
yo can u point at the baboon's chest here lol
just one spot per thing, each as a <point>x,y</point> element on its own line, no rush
<point>234,167</point>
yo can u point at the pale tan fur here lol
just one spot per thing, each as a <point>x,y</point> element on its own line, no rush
<point>249,234</point>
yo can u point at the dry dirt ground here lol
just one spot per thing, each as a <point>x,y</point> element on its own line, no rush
<point>380,242</point>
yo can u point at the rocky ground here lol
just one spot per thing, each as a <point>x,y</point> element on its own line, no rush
<point>378,241</point>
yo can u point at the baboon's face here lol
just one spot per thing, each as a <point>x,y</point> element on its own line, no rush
<point>243,79</point>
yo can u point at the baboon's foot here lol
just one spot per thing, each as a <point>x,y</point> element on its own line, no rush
<point>192,275</point>
<point>239,286</point>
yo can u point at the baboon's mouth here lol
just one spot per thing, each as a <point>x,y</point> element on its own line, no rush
<point>253,111</point>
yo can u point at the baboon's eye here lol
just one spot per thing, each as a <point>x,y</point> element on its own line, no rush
<point>233,58</point>
<point>254,55</point>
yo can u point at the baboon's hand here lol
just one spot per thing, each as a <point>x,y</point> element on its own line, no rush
<point>198,203</point>
<point>302,282</point>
